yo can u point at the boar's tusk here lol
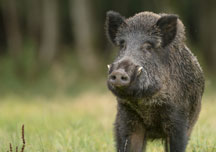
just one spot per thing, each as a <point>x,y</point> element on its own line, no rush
<point>108,66</point>
<point>139,70</point>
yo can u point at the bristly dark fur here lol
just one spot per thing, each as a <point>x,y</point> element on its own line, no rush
<point>113,22</point>
<point>164,100</point>
<point>167,26</point>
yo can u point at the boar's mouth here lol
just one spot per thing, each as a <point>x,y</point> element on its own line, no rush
<point>126,92</point>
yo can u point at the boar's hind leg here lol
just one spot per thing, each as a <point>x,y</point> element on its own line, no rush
<point>129,133</point>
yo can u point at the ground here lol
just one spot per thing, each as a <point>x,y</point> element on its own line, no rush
<point>82,124</point>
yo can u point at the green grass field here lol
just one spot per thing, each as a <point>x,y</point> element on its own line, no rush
<point>82,124</point>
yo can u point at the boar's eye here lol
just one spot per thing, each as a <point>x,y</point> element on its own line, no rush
<point>147,46</point>
<point>122,44</point>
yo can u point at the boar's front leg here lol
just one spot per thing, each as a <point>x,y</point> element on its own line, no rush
<point>177,139</point>
<point>129,132</point>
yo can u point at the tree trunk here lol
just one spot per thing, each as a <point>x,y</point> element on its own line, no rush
<point>12,27</point>
<point>208,33</point>
<point>50,31</point>
<point>34,20</point>
<point>83,28</point>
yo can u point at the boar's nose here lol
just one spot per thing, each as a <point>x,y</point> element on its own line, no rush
<point>119,78</point>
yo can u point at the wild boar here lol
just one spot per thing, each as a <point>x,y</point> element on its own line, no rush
<point>157,80</point>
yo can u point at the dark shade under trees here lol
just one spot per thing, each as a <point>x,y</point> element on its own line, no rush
<point>50,26</point>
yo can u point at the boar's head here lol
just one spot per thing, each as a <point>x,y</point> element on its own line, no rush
<point>139,70</point>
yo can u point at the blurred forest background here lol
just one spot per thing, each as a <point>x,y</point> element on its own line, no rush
<point>59,46</point>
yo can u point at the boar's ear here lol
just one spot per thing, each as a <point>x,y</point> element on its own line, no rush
<point>113,22</point>
<point>168,28</point>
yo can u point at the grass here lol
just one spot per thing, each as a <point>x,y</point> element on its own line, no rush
<point>82,124</point>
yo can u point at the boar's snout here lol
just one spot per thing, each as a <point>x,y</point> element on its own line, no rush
<point>119,78</point>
